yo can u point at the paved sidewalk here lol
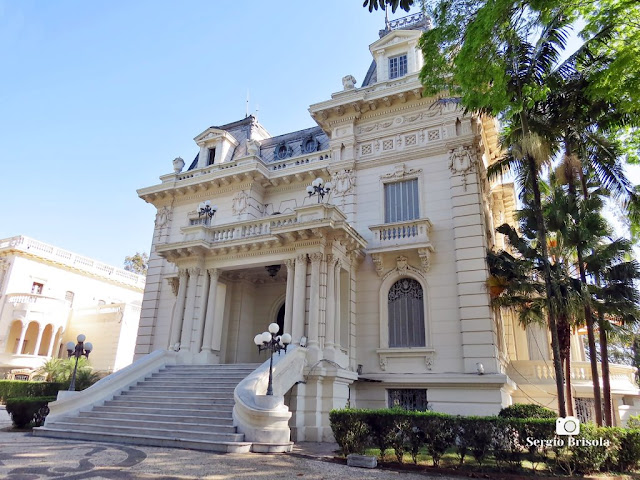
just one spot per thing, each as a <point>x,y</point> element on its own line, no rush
<point>25,457</point>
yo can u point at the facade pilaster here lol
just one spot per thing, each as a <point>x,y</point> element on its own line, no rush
<point>299,298</point>
<point>23,333</point>
<point>330,316</point>
<point>39,340</point>
<point>314,300</point>
<point>288,303</point>
<point>178,312</point>
<point>210,316</point>
<point>52,342</point>
<point>189,309</point>
<point>479,344</point>
<point>202,310</point>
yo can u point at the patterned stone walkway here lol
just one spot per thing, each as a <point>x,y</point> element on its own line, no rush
<point>25,457</point>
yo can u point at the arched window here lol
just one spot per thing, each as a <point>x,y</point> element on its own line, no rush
<point>406,314</point>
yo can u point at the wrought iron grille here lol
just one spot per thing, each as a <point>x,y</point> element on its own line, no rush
<point>408,398</point>
<point>585,409</point>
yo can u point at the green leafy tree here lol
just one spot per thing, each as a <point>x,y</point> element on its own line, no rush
<point>138,263</point>
<point>384,4</point>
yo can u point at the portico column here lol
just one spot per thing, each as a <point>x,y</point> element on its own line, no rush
<point>288,302</point>
<point>178,312</point>
<point>337,309</point>
<point>299,298</point>
<point>52,342</point>
<point>202,310</point>
<point>330,317</point>
<point>214,273</point>
<point>23,333</point>
<point>314,300</point>
<point>39,340</point>
<point>189,309</point>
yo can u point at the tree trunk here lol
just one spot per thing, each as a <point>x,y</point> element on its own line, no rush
<point>606,380</point>
<point>593,358</point>
<point>567,379</point>
<point>549,288</point>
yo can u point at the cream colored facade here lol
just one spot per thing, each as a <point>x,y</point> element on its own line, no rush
<point>208,291</point>
<point>49,295</point>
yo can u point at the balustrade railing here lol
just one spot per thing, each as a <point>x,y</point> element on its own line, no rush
<point>400,233</point>
<point>70,259</point>
<point>541,371</point>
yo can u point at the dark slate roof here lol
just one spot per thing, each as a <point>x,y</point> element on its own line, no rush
<point>294,143</point>
<point>372,75</point>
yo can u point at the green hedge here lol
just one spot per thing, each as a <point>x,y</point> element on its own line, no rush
<point>503,440</point>
<point>20,388</point>
<point>526,410</point>
<point>26,411</point>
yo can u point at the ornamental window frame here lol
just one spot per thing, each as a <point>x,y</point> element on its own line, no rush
<point>401,67</point>
<point>401,174</point>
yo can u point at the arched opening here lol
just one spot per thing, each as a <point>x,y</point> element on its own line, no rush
<point>30,339</point>
<point>13,337</point>
<point>406,314</point>
<point>46,340</point>
<point>280,320</point>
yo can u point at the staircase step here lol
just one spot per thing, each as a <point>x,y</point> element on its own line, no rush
<point>154,441</point>
<point>216,411</point>
<point>143,425</point>
<point>121,414</point>
<point>170,433</point>
<point>189,390</point>
<point>186,401</point>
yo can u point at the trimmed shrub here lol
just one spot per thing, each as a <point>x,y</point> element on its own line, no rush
<point>526,410</point>
<point>381,427</point>
<point>20,388</point>
<point>25,411</point>
<point>629,454</point>
<point>350,430</point>
<point>634,421</point>
<point>440,432</point>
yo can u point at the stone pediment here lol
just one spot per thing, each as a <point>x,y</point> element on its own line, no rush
<point>212,134</point>
<point>393,39</point>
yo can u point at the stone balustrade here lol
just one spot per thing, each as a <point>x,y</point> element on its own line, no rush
<point>69,259</point>
<point>389,236</point>
<point>541,371</point>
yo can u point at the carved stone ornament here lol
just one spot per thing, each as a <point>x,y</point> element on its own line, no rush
<point>253,147</point>
<point>309,144</point>
<point>425,257</point>
<point>174,283</point>
<point>240,203</point>
<point>461,162</point>
<point>178,164</point>
<point>316,257</point>
<point>344,182</point>
<point>378,262</point>
<point>401,263</point>
<point>428,360</point>
<point>163,217</point>
<point>401,171</point>
<point>383,363</point>
<point>348,82</point>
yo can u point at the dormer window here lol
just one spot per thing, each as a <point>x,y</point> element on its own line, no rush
<point>212,156</point>
<point>398,66</point>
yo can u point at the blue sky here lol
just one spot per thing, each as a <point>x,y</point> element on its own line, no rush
<point>97,97</point>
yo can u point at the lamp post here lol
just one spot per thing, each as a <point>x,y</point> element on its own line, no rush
<point>320,188</point>
<point>269,341</point>
<point>205,208</point>
<point>82,348</point>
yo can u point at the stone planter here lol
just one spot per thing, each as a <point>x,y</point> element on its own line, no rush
<point>363,461</point>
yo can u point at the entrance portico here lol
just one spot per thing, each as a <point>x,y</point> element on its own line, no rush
<point>225,295</point>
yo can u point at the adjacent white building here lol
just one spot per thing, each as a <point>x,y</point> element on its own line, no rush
<point>381,282</point>
<point>49,295</point>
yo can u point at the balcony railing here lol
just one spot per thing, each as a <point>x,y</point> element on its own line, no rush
<point>539,371</point>
<point>407,234</point>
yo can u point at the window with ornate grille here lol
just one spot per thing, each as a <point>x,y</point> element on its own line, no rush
<point>397,66</point>
<point>401,201</point>
<point>406,314</point>
<point>408,398</point>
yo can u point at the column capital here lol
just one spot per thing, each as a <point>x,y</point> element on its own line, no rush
<point>332,260</point>
<point>302,258</point>
<point>289,263</point>
<point>182,272</point>
<point>316,257</point>
<point>194,271</point>
<point>213,272</point>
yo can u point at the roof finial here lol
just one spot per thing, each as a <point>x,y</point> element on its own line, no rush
<point>246,112</point>
<point>386,19</point>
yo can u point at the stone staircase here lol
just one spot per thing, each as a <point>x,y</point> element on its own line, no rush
<point>180,406</point>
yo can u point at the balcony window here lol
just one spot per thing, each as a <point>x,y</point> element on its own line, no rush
<point>398,66</point>
<point>401,201</point>
<point>37,288</point>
